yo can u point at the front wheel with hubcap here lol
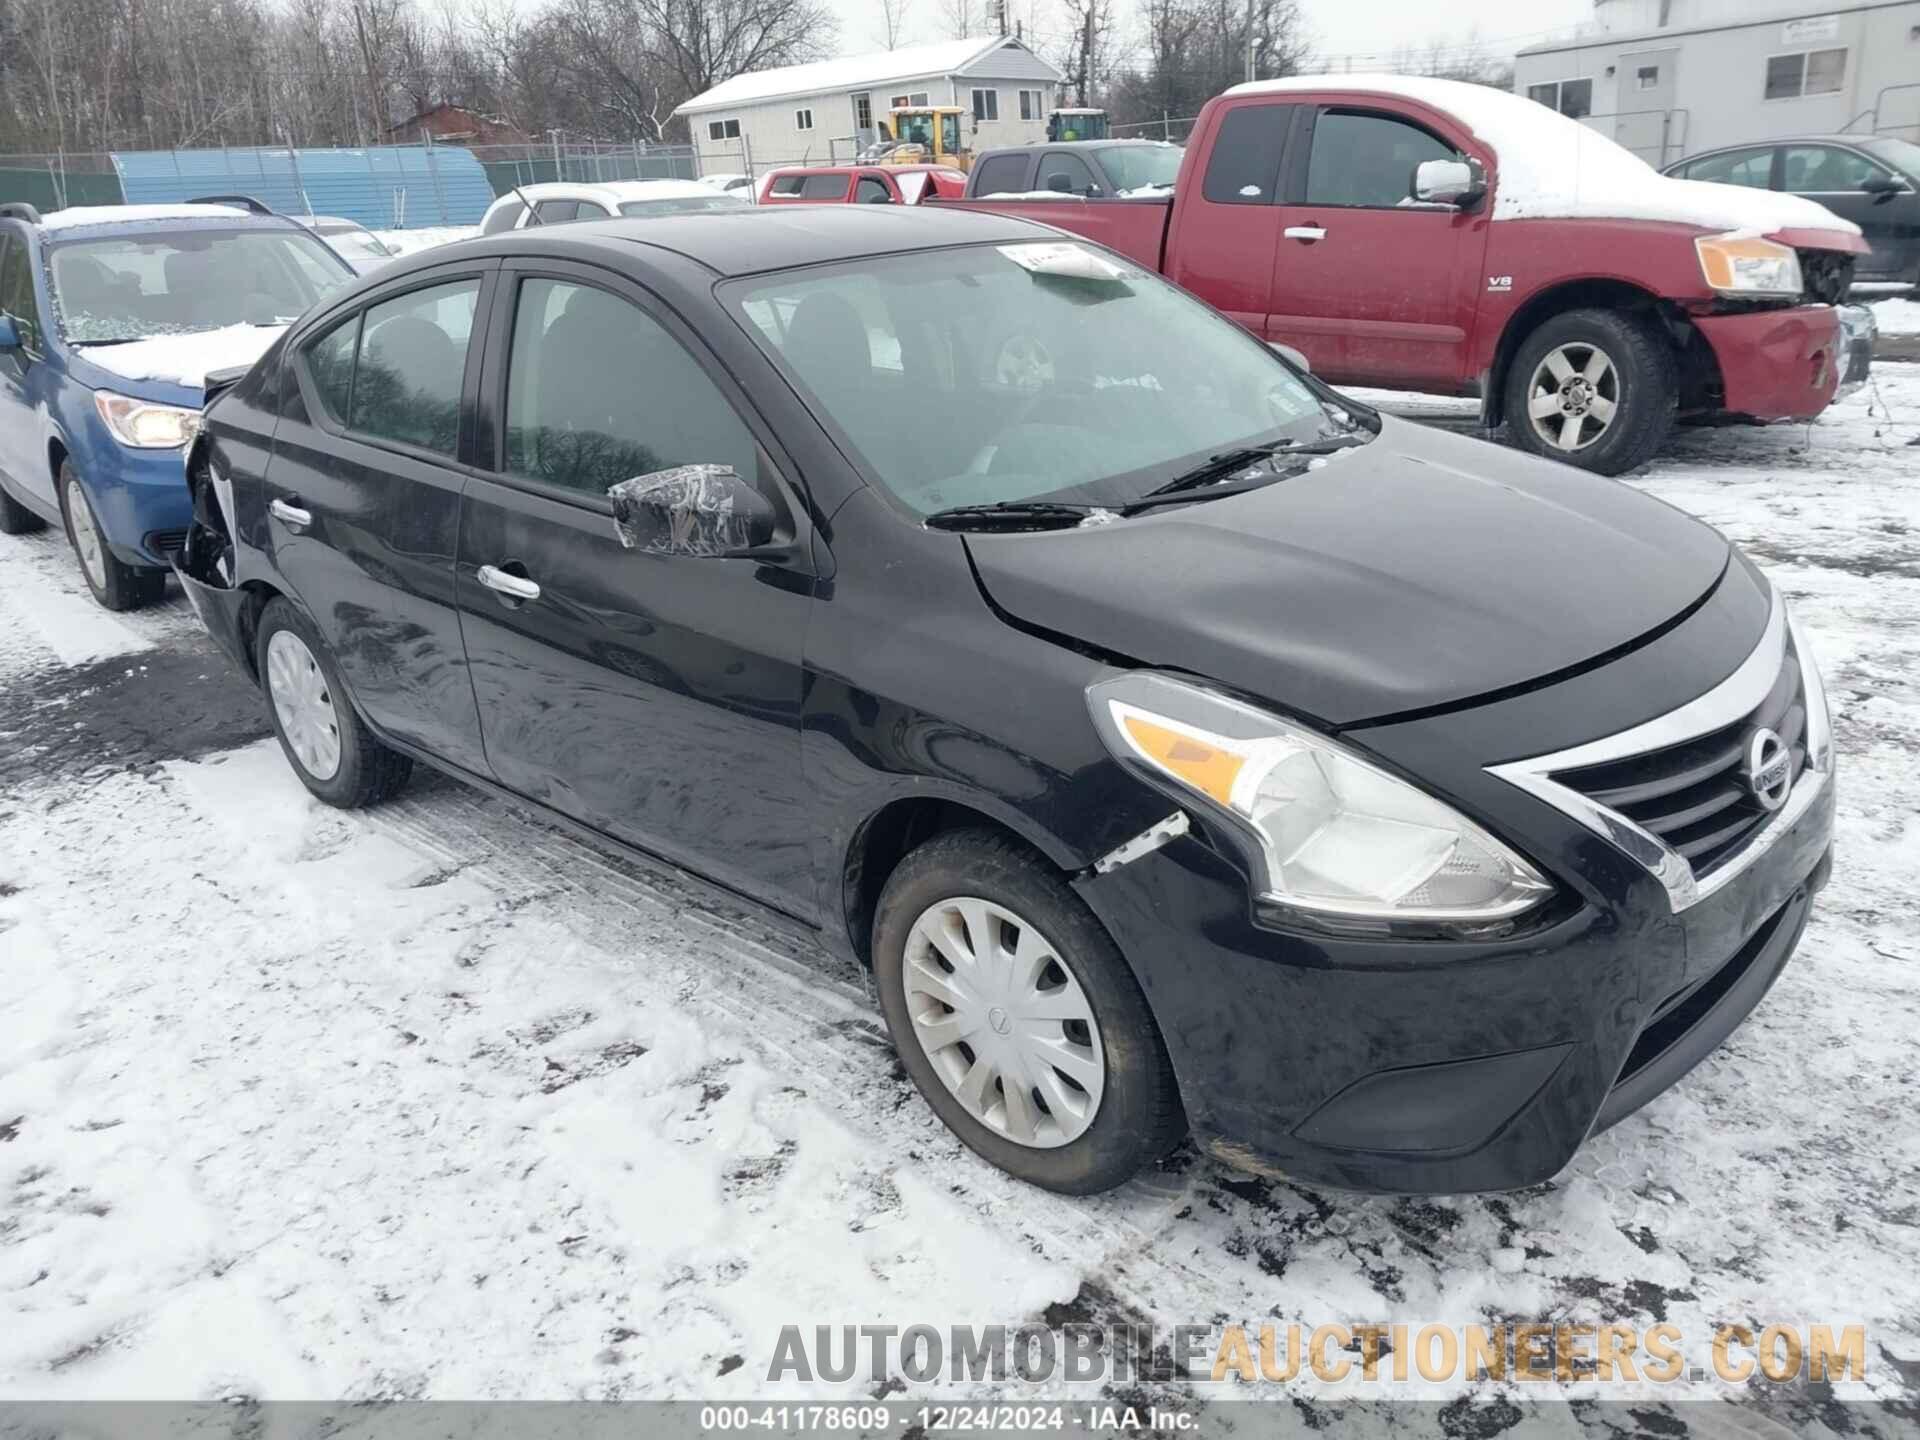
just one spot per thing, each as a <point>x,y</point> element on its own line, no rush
<point>1595,388</point>
<point>320,733</point>
<point>114,583</point>
<point>1018,1018</point>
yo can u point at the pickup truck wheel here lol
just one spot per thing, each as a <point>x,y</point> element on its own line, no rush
<point>114,583</point>
<point>1018,1018</point>
<point>320,733</point>
<point>1595,388</point>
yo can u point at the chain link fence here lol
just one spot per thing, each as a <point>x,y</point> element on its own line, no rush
<point>56,181</point>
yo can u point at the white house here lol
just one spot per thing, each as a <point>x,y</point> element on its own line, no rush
<point>822,112</point>
<point>1668,78</point>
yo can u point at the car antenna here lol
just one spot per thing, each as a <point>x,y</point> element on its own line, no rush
<point>536,220</point>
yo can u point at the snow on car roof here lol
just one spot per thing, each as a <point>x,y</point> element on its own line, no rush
<point>1555,167</point>
<point>77,215</point>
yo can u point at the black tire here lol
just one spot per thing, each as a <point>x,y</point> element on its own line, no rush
<point>1645,389</point>
<point>1138,1118</point>
<point>118,585</point>
<point>367,771</point>
<point>15,518</point>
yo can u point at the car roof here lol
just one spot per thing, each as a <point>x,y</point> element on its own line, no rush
<point>753,239</point>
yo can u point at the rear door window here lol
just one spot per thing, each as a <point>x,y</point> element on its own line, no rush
<point>1001,175</point>
<point>412,357</point>
<point>824,187</point>
<point>1366,160</point>
<point>330,365</point>
<point>786,185</point>
<point>557,212</point>
<point>1737,167</point>
<point>1244,168</point>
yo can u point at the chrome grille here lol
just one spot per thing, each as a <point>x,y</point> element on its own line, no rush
<point>1694,795</point>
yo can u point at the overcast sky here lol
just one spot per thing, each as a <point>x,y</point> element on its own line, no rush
<point>1340,28</point>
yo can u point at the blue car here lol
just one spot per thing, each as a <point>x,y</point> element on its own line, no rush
<point>111,318</point>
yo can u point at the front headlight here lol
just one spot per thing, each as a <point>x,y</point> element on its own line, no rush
<point>1748,265</point>
<point>1334,834</point>
<point>144,425</point>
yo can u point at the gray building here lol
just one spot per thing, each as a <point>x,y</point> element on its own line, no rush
<point>1669,78</point>
<point>821,112</point>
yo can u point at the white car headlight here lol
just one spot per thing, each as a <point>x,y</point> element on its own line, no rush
<point>1335,834</point>
<point>1748,265</point>
<point>144,425</point>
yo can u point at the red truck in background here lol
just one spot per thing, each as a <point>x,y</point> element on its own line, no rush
<point>1431,235</point>
<point>860,184</point>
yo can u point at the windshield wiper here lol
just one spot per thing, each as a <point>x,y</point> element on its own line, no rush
<point>117,340</point>
<point>1011,515</point>
<point>1219,467</point>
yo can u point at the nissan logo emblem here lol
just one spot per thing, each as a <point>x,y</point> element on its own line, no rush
<point>1769,769</point>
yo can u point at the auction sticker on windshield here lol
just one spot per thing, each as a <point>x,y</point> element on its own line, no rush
<point>1063,257</point>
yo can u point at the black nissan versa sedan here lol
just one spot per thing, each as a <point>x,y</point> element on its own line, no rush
<point>1181,746</point>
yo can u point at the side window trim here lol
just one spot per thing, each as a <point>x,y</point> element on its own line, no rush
<point>485,272</point>
<point>490,409</point>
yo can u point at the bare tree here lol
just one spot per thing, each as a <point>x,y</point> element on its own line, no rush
<point>893,23</point>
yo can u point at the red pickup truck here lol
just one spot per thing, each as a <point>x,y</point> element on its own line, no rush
<point>1431,235</point>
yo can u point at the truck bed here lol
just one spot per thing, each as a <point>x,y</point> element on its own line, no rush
<point>1136,228</point>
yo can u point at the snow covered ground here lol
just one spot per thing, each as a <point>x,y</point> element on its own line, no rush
<point>434,1101</point>
<point>1897,316</point>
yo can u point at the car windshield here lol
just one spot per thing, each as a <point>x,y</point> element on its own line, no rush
<point>681,204</point>
<point>131,287</point>
<point>1141,167</point>
<point>1007,373</point>
<point>1901,154</point>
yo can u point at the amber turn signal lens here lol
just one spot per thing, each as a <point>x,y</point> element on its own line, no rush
<point>1208,768</point>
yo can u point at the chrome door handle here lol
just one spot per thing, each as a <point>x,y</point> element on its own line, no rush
<point>512,586</point>
<point>1305,232</point>
<point>292,516</point>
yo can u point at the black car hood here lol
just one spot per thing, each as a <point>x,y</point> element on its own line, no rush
<point>1420,570</point>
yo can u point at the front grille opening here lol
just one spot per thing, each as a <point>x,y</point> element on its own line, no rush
<point>1695,795</point>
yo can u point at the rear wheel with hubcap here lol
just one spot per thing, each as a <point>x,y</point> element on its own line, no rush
<point>115,584</point>
<point>1595,388</point>
<point>1018,1018</point>
<point>320,733</point>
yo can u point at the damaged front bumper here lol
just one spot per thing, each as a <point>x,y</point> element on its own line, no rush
<point>204,566</point>
<point>1858,332</point>
<point>225,611</point>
